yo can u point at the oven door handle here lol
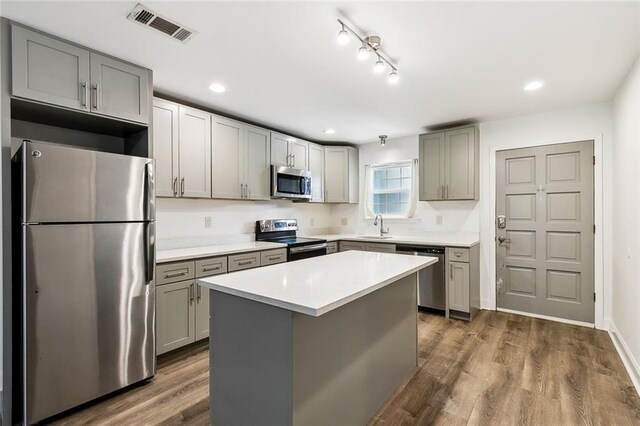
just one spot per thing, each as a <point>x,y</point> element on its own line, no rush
<point>303,249</point>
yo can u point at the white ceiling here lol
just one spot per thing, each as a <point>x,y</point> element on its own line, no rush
<point>283,68</point>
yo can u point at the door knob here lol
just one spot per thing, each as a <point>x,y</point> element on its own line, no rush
<point>502,239</point>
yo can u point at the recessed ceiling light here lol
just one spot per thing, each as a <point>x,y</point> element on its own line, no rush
<point>533,85</point>
<point>329,131</point>
<point>217,88</point>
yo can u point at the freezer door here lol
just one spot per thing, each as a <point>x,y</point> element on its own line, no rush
<point>66,184</point>
<point>89,312</point>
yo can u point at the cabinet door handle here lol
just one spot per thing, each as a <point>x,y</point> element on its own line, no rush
<point>199,293</point>
<point>215,268</point>
<point>84,93</point>
<point>175,187</point>
<point>96,100</point>
<point>273,258</point>
<point>191,293</point>
<point>451,271</point>
<point>248,262</point>
<point>182,187</point>
<point>446,188</point>
<point>248,190</point>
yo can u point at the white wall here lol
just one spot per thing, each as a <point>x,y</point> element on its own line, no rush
<point>588,122</point>
<point>462,216</point>
<point>625,315</point>
<point>181,221</point>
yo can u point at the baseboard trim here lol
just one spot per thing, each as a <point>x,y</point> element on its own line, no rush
<point>632,367</point>
<point>545,317</point>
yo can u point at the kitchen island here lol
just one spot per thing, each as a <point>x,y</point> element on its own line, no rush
<point>324,340</point>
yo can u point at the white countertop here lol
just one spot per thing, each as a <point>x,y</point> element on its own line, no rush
<point>320,284</point>
<point>173,255</point>
<point>448,239</point>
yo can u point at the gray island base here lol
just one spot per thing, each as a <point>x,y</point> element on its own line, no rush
<point>295,352</point>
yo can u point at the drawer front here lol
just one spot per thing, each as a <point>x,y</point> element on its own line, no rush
<point>211,266</point>
<point>351,245</point>
<point>173,272</point>
<point>238,262</point>
<point>381,248</point>
<point>271,257</point>
<point>458,254</point>
<point>332,247</point>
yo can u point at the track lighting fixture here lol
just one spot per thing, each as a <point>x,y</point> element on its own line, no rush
<point>370,45</point>
<point>383,140</point>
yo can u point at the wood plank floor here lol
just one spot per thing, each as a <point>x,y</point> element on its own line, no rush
<point>500,369</point>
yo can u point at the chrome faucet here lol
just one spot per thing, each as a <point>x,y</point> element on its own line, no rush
<point>382,230</point>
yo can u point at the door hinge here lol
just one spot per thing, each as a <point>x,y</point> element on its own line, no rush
<point>594,160</point>
<point>594,229</point>
<point>594,297</point>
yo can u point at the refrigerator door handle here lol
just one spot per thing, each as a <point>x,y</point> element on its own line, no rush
<point>150,251</point>
<point>150,195</point>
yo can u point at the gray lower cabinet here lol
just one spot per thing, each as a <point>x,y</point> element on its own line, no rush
<point>351,245</point>
<point>175,315</point>
<point>182,306</point>
<point>463,281</point>
<point>380,248</point>
<point>332,247</point>
<point>50,70</point>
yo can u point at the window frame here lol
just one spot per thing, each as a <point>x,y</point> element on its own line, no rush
<point>372,191</point>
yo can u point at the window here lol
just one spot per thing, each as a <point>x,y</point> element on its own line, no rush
<point>390,189</point>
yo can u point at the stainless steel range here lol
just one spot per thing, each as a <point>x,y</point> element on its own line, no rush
<point>284,231</point>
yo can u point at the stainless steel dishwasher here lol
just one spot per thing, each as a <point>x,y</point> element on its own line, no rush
<point>431,280</point>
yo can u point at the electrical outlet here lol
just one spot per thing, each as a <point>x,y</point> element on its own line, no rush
<point>344,221</point>
<point>207,222</point>
<point>312,221</point>
<point>439,219</point>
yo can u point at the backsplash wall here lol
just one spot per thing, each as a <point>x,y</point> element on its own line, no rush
<point>181,222</point>
<point>457,216</point>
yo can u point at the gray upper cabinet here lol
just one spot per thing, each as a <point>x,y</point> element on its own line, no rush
<point>52,71</point>
<point>240,160</point>
<point>449,165</point>
<point>49,70</point>
<point>280,149</point>
<point>341,174</point>
<point>194,132</point>
<point>165,147</point>
<point>227,144</point>
<point>118,89</point>
<point>257,173</point>
<point>316,167</point>
<point>289,152</point>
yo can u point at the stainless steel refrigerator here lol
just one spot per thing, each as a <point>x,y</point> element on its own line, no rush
<point>87,288</point>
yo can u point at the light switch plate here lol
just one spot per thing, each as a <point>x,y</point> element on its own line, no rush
<point>207,222</point>
<point>312,221</point>
<point>439,219</point>
<point>344,221</point>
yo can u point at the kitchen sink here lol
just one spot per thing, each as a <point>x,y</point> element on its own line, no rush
<point>375,237</point>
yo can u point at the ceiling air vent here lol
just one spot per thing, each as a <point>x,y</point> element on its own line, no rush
<point>143,15</point>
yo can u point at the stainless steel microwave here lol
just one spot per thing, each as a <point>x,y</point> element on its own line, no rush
<point>287,182</point>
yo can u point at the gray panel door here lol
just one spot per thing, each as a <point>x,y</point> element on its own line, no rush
<point>48,70</point>
<point>89,313</point>
<point>545,252</point>
<point>227,159</point>
<point>118,89</point>
<point>431,161</point>
<point>195,153</point>
<point>175,307</point>
<point>459,154</point>
<point>165,147</point>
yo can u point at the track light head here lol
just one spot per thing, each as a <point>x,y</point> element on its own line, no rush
<point>363,52</point>
<point>383,140</point>
<point>379,66</point>
<point>343,36</point>
<point>393,77</point>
